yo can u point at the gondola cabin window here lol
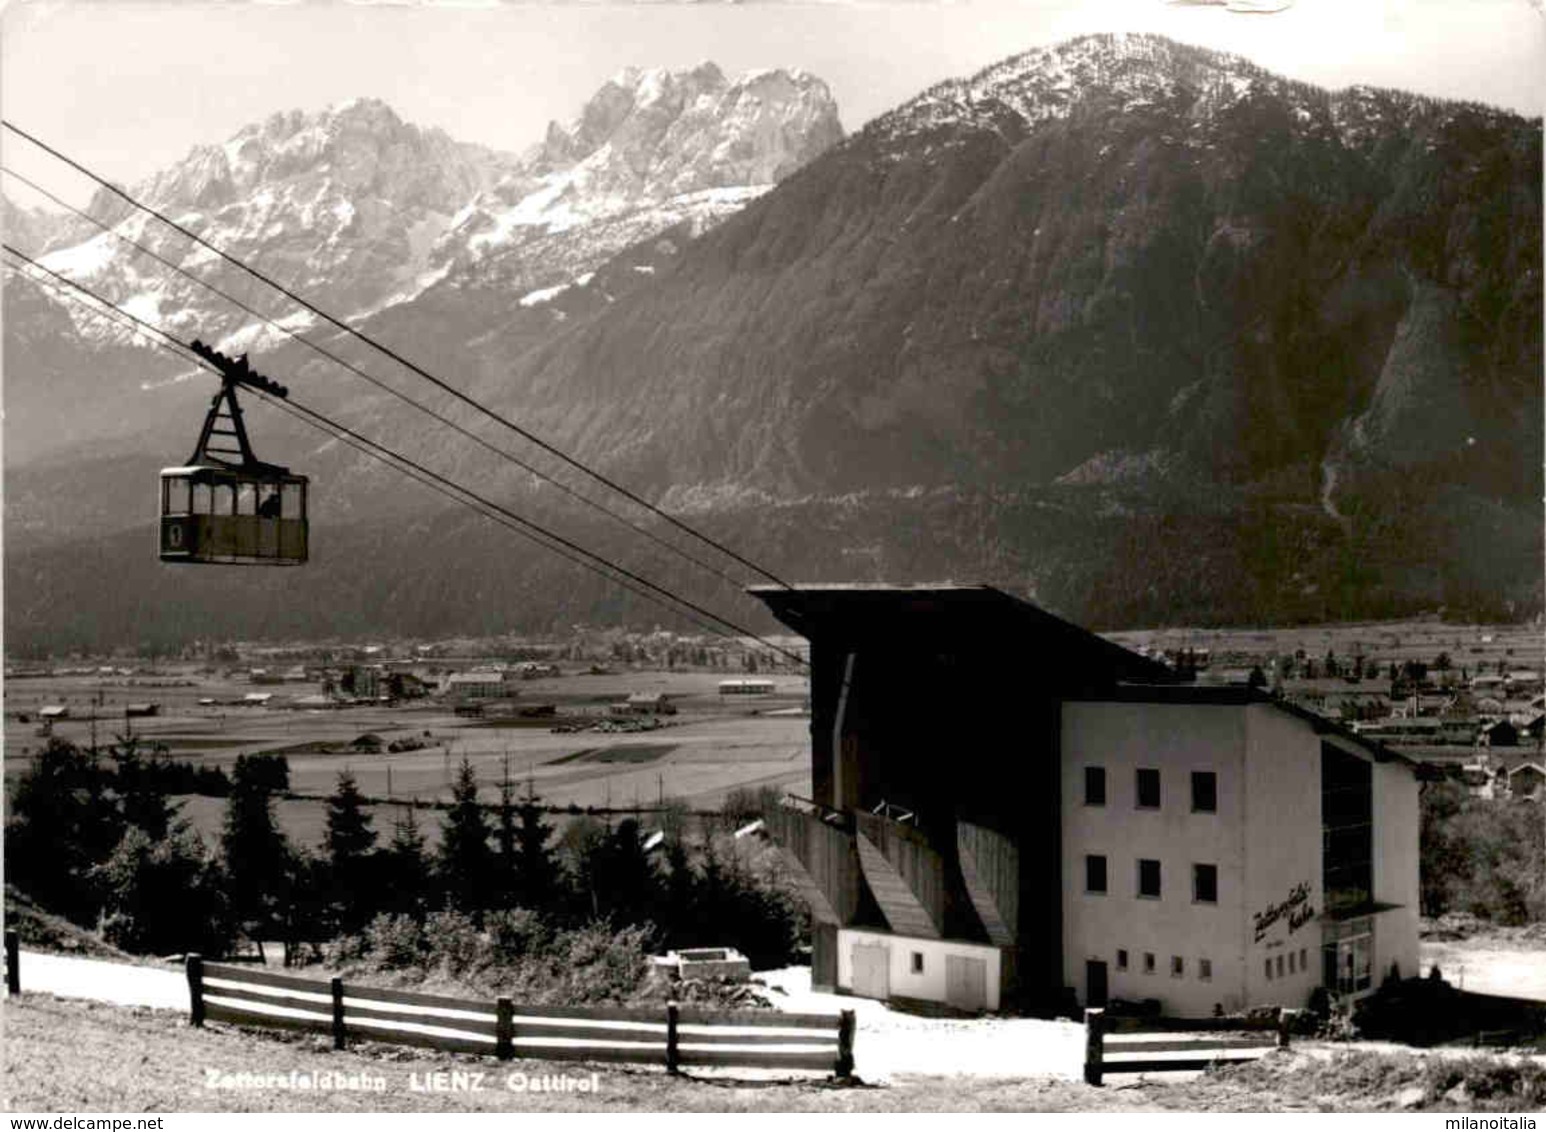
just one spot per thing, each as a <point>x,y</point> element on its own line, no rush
<point>232,516</point>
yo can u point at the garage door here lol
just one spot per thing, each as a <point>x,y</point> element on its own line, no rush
<point>966,982</point>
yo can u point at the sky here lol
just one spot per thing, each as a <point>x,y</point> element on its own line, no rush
<point>129,87</point>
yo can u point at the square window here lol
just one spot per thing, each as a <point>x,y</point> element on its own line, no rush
<point>1094,786</point>
<point>1148,789</point>
<point>1205,792</point>
<point>917,962</point>
<point>1177,966</point>
<point>1148,878</point>
<point>1121,959</point>
<point>1148,962</point>
<point>1095,873</point>
<point>1205,970</point>
<point>1205,884</point>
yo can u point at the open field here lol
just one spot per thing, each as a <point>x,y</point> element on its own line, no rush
<point>710,747</point>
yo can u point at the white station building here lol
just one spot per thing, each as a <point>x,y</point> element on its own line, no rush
<point>1008,809</point>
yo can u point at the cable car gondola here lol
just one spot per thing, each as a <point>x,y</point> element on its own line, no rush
<point>225,506</point>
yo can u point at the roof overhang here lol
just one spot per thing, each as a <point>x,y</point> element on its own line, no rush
<point>950,612</point>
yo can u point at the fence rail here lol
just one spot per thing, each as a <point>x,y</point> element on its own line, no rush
<point>672,1036</point>
<point>1240,1039</point>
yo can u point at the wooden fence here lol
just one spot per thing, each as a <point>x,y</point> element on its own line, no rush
<point>672,1035</point>
<point>1214,1041</point>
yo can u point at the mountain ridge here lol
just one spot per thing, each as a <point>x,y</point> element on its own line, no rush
<point>1202,345</point>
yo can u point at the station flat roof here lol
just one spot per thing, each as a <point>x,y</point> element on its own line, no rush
<point>954,611</point>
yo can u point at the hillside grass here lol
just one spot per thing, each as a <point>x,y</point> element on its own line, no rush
<point>65,1055</point>
<point>41,930</point>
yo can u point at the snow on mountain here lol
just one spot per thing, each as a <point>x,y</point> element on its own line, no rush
<point>1131,72</point>
<point>358,210</point>
<point>655,147</point>
<point>342,205</point>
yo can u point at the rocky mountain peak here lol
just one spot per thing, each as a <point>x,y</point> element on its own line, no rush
<point>659,132</point>
<point>650,150</point>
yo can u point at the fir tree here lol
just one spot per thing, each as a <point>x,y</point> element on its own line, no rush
<point>466,862</point>
<point>505,839</point>
<point>406,868</point>
<point>63,821</point>
<point>623,876</point>
<point>257,855</point>
<point>537,872</point>
<point>141,798</point>
<point>350,841</point>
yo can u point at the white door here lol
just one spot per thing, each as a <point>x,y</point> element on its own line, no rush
<point>872,970</point>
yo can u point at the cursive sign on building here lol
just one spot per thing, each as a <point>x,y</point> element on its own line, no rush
<point>1297,910</point>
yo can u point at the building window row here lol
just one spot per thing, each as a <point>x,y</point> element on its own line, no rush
<point>1289,962</point>
<point>1177,965</point>
<point>1205,879</point>
<point>1148,793</point>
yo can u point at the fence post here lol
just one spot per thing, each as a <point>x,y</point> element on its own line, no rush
<point>673,1057</point>
<point>1094,1038</point>
<point>195,967</point>
<point>12,962</point>
<point>336,985</point>
<point>845,1044</point>
<point>504,1032</point>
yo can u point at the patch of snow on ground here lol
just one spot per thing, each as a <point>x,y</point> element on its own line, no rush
<point>119,983</point>
<point>890,1043</point>
<point>542,295</point>
<point>1487,967</point>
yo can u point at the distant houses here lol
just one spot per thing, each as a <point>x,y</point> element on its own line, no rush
<point>1500,733</point>
<point>645,703</point>
<point>479,685</point>
<point>746,687</point>
<point>1527,781</point>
